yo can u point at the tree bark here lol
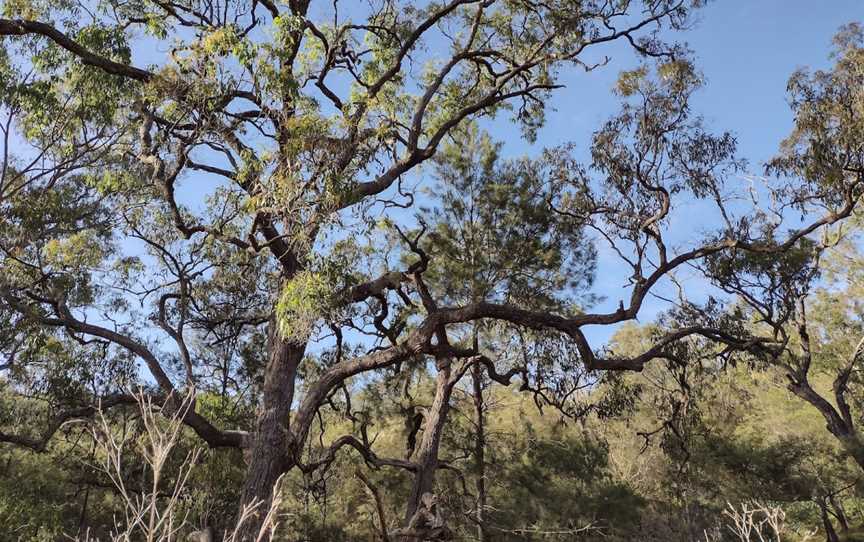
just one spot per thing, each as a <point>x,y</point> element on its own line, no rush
<point>480,450</point>
<point>834,421</point>
<point>270,443</point>
<point>427,451</point>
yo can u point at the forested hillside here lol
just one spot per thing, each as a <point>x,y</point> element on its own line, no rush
<point>317,271</point>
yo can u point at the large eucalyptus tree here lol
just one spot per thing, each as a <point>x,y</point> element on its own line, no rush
<point>216,190</point>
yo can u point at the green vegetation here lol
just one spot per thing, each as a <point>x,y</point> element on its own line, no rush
<point>268,273</point>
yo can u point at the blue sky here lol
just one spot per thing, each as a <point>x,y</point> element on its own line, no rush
<point>746,50</point>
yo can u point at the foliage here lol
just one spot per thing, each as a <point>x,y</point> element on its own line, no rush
<point>292,230</point>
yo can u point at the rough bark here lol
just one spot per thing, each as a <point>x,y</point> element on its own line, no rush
<point>270,443</point>
<point>426,455</point>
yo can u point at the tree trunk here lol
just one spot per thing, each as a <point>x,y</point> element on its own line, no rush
<point>830,533</point>
<point>852,443</point>
<point>834,421</point>
<point>480,451</point>
<point>270,444</point>
<point>839,513</point>
<point>427,452</point>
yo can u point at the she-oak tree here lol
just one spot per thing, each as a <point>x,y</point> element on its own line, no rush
<point>214,212</point>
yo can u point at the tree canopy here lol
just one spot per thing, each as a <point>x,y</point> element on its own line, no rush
<point>290,229</point>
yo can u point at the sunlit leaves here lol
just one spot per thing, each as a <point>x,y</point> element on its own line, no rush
<point>301,304</point>
<point>79,250</point>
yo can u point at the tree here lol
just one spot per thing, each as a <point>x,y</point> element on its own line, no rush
<point>265,282</point>
<point>780,295</point>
